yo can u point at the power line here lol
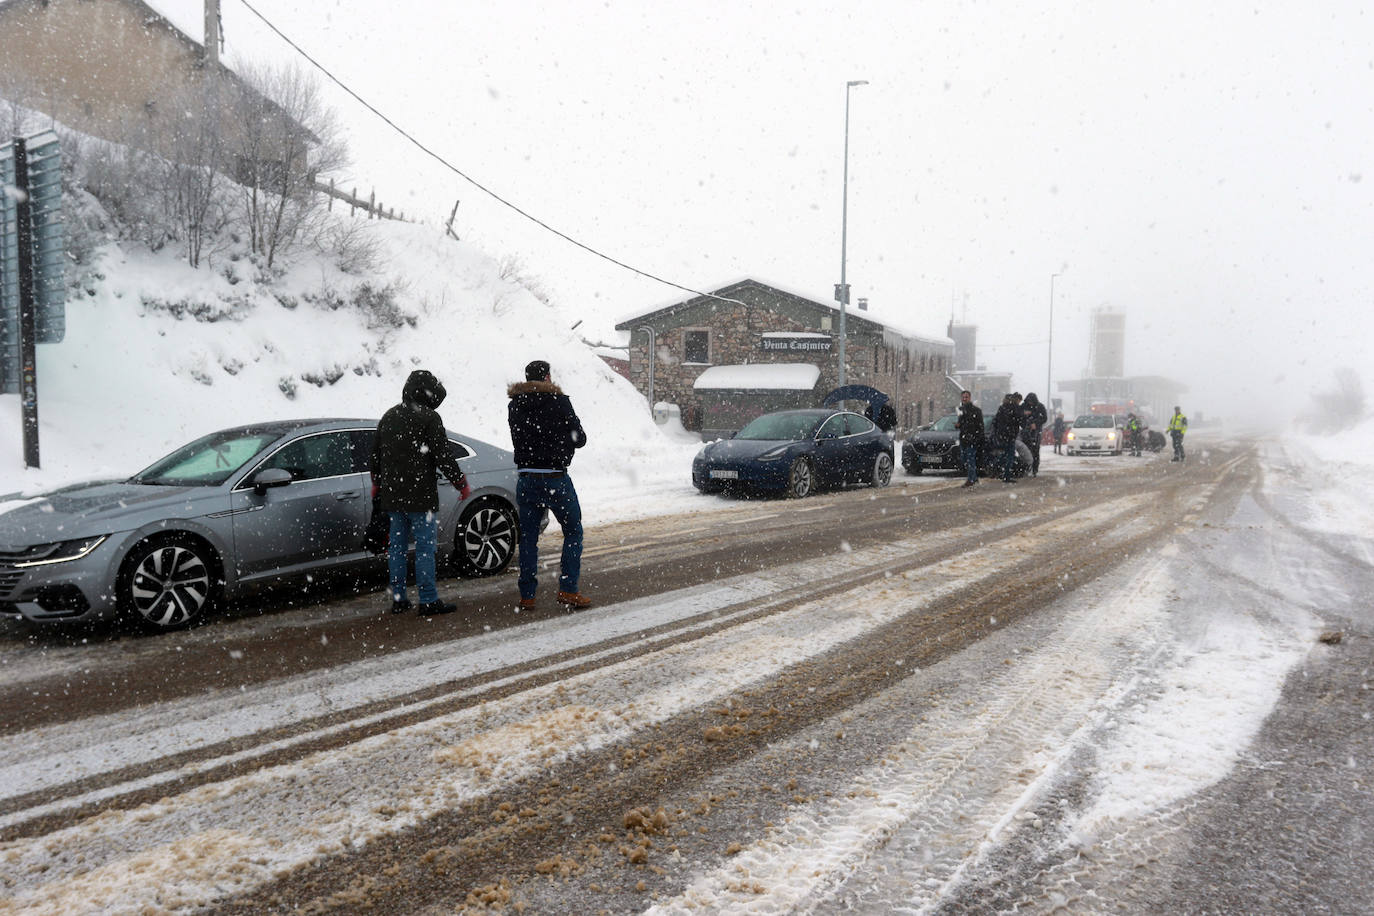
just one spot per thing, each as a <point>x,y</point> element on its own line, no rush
<point>474,182</point>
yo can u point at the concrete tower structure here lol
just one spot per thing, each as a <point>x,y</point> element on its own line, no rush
<point>1107,344</point>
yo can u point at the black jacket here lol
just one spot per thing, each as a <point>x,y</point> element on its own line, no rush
<point>411,447</point>
<point>970,426</point>
<point>1006,425</point>
<point>1033,417</point>
<point>544,428</point>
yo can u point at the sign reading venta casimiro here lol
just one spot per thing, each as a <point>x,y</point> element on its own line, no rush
<point>776,342</point>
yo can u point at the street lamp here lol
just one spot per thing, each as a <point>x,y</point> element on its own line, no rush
<point>842,291</point>
<point>1049,357</point>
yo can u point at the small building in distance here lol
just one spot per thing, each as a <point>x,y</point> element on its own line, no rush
<point>712,353</point>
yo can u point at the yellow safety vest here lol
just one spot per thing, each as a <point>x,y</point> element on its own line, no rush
<point>1178,423</point>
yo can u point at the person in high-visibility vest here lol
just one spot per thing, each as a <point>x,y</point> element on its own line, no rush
<point>1178,425</point>
<point>1133,434</point>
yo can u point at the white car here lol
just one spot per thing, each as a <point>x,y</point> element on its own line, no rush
<point>1094,434</point>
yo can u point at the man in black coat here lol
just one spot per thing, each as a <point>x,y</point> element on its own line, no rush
<point>971,435</point>
<point>1033,417</point>
<point>545,431</point>
<point>1006,426</point>
<point>409,450</point>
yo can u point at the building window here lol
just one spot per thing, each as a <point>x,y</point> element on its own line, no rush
<point>923,364</point>
<point>696,346</point>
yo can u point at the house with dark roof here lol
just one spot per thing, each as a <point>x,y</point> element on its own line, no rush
<point>749,348</point>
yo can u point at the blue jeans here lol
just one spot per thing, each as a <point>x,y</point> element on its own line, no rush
<point>533,494</point>
<point>1009,460</point>
<point>424,527</point>
<point>969,455</point>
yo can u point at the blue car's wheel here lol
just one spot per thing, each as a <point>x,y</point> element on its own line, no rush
<point>800,479</point>
<point>882,470</point>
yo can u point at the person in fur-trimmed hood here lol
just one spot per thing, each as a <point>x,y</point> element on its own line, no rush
<point>545,431</point>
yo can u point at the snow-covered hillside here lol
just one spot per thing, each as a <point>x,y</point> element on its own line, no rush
<point>157,353</point>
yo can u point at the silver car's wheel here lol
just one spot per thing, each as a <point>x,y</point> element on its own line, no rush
<point>800,479</point>
<point>486,540</point>
<point>882,470</point>
<point>168,583</point>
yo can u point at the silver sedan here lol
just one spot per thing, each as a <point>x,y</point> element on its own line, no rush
<point>234,508</point>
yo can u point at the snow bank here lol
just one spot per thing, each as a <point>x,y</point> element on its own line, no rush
<point>139,373</point>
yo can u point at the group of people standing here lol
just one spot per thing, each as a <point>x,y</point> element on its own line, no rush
<point>1025,420</point>
<point>411,449</point>
<point>1015,419</point>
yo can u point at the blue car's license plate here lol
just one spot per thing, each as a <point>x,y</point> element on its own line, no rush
<point>725,475</point>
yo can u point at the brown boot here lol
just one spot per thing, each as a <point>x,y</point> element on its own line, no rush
<point>574,600</point>
<point>526,604</point>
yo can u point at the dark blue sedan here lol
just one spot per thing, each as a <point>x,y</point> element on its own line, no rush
<point>797,451</point>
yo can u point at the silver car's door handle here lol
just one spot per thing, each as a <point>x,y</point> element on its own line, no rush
<point>356,494</point>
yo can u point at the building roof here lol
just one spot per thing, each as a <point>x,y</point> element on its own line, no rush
<point>760,377</point>
<point>875,320</point>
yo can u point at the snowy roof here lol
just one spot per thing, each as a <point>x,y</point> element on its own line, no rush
<point>771,376</point>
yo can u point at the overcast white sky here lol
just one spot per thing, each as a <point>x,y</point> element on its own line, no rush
<point>1200,167</point>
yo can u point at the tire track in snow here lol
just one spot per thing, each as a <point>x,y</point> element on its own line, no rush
<point>275,819</point>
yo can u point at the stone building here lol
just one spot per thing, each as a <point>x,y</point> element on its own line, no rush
<point>702,344</point>
<point>119,70</point>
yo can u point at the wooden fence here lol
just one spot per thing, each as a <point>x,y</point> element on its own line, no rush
<point>370,206</point>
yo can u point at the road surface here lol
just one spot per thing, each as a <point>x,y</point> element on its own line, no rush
<point>1144,690</point>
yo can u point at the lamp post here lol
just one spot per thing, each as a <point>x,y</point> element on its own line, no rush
<point>1049,356</point>
<point>842,291</point>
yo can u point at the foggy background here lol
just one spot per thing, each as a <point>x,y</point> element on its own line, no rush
<point>1199,168</point>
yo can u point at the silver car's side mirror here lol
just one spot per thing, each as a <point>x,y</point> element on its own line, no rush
<point>268,478</point>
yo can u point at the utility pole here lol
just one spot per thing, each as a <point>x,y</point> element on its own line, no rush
<point>212,36</point>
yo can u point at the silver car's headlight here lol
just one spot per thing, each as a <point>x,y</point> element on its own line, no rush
<point>59,552</point>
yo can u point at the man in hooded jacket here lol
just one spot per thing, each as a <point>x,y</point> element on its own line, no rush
<point>1033,417</point>
<point>409,450</point>
<point>545,431</point>
<point>1006,426</point>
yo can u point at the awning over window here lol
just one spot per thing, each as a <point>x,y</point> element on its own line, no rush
<point>759,377</point>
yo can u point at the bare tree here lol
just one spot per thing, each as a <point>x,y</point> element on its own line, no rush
<point>192,165</point>
<point>1339,407</point>
<point>286,138</point>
